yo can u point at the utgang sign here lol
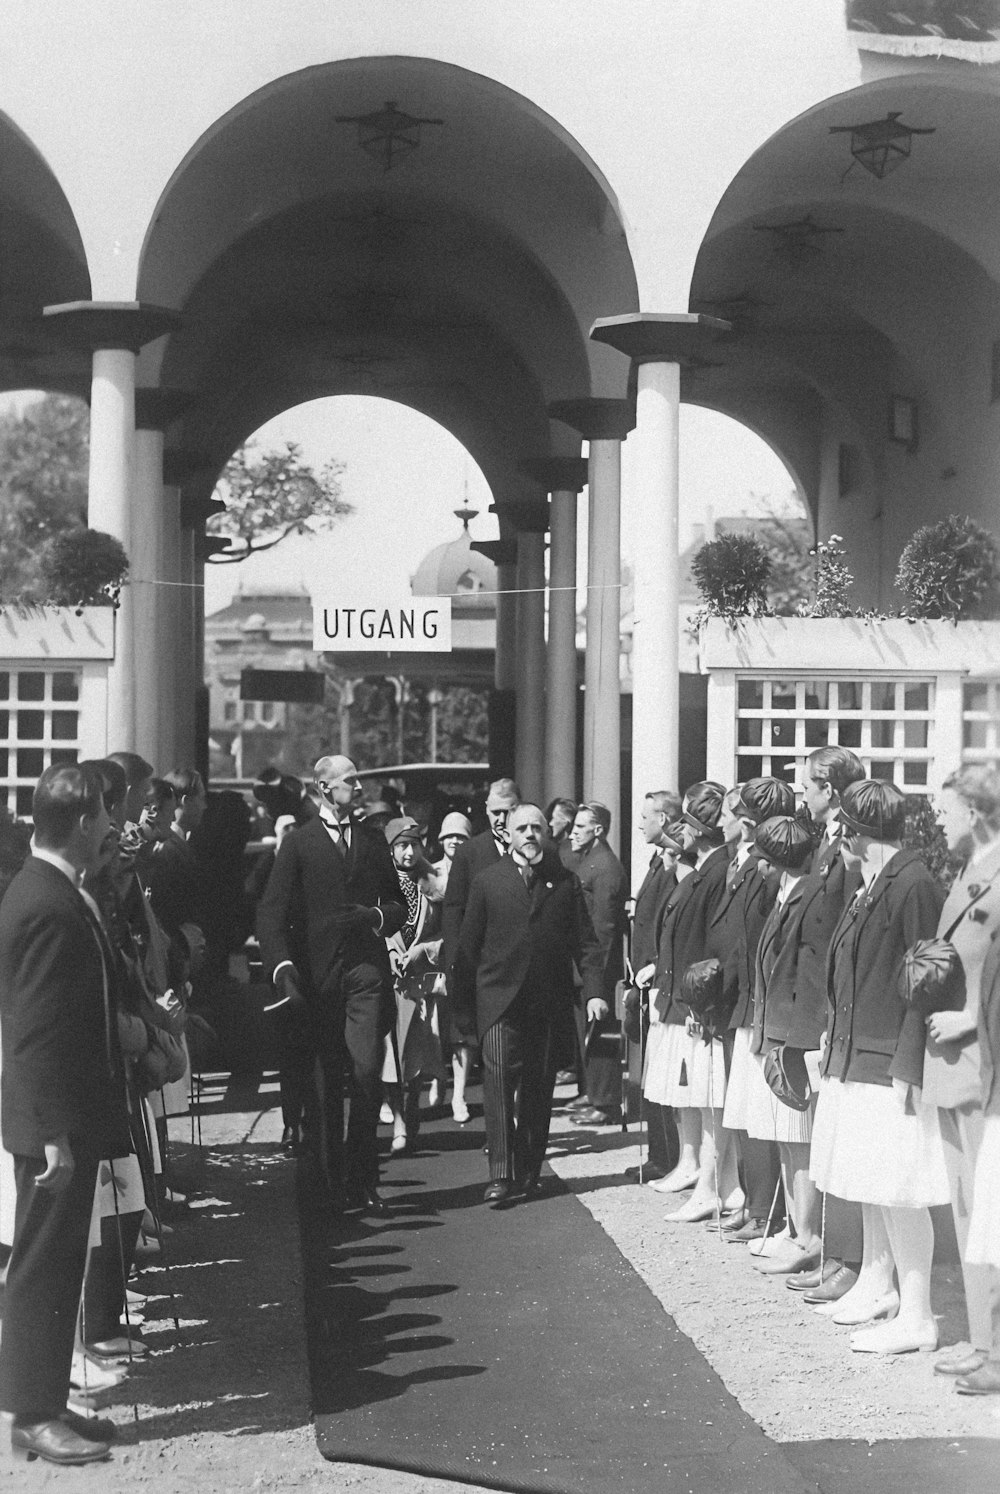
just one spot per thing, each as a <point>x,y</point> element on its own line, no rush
<point>380,625</point>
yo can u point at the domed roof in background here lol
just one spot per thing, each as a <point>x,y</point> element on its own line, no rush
<point>456,570</point>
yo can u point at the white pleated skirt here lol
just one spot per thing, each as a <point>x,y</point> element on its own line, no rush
<point>685,1071</point>
<point>767,1118</point>
<point>734,1116</point>
<point>983,1248</point>
<point>652,1072</point>
<point>867,1149</point>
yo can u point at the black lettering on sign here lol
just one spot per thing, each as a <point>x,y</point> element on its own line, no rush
<point>430,625</point>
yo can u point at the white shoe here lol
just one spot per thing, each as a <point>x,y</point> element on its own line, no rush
<point>434,1095</point>
<point>460,1112</point>
<point>385,1115</point>
<point>86,1376</point>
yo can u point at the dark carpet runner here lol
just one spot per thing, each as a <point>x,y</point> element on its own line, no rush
<point>512,1349</point>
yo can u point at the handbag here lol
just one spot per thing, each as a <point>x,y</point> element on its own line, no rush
<point>163,1062</point>
<point>787,1076</point>
<point>933,977</point>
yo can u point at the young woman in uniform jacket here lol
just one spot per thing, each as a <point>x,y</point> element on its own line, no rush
<point>873,1140</point>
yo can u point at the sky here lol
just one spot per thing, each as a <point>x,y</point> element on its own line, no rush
<point>405,476</point>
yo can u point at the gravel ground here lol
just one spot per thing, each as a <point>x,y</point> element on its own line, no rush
<point>791,1370</point>
<point>223,1404</point>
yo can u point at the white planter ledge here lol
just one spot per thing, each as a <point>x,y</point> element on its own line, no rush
<point>847,645</point>
<point>49,633</point>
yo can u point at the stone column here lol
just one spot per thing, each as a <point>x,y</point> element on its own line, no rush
<point>503,699</point>
<point>530,663</point>
<point>660,346</point>
<point>563,478</point>
<point>113,333</point>
<point>153,578</point>
<point>604,423</point>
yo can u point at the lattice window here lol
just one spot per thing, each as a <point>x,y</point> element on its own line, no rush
<point>888,723</point>
<point>981,721</point>
<point>39,725</point>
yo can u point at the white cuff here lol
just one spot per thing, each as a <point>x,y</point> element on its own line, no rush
<point>285,965</point>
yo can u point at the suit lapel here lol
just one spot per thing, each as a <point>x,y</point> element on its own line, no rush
<point>975,884</point>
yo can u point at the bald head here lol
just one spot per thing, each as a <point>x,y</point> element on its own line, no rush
<point>337,782</point>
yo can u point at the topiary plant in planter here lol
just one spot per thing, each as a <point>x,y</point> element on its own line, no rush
<point>951,570</point>
<point>731,573</point>
<point>83,568</point>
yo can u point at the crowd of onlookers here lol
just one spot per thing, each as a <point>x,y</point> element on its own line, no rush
<point>816,1020</point>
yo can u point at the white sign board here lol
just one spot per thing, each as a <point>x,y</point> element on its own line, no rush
<point>378,624</point>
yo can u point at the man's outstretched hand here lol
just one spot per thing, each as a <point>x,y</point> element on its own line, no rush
<point>59,1166</point>
<point>288,992</point>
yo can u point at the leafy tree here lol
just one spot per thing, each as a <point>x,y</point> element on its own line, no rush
<point>270,495</point>
<point>44,456</point>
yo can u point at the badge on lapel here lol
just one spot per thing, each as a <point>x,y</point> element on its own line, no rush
<point>979,915</point>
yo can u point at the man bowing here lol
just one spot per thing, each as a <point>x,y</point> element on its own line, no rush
<point>525,925</point>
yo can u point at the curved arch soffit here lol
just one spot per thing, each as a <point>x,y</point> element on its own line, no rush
<point>720,406</point>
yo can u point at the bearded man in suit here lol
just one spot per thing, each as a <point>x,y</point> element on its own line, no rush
<point>63,1107</point>
<point>525,926</point>
<point>331,901</point>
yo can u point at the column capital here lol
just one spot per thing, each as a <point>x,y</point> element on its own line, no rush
<point>501,552</point>
<point>526,517</point>
<point>557,474</point>
<point>661,337</point>
<point>155,409</point>
<point>596,419</point>
<point>91,325</point>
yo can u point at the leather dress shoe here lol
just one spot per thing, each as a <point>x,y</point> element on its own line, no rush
<point>808,1281</point>
<point>649,1172</point>
<point>961,1364</point>
<point>498,1191</point>
<point>126,1346</point>
<point>364,1198</point>
<point>290,1139</point>
<point>590,1115</point>
<point>838,1285</point>
<point>91,1428</point>
<point>983,1381</point>
<point>55,1442</point>
<point>581,1102</point>
<point>751,1229</point>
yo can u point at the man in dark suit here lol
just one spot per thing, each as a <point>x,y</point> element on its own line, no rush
<point>63,1107</point>
<point>331,900</point>
<point>471,858</point>
<point>605,891</point>
<point>525,926</point>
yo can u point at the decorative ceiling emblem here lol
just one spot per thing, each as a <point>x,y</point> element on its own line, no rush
<point>799,238</point>
<point>388,134</point>
<point>881,145</point>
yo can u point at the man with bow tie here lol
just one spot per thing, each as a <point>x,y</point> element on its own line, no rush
<point>63,1107</point>
<point>525,926</point>
<point>331,901</point>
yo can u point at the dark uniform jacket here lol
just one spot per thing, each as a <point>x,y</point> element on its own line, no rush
<point>605,889</point>
<point>650,900</point>
<point>62,1068</point>
<point>520,943</point>
<point>472,857</point>
<point>308,913</point>
<point>733,935</point>
<point>790,976</point>
<point>684,928</point>
<point>872,1036</point>
<point>176,886</point>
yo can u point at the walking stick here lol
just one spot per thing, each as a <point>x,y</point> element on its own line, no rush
<point>124,1276</point>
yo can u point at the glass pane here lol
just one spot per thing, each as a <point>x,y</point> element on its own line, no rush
<point>4,724</point>
<point>883,733</point>
<point>976,697</point>
<point>883,696</point>
<point>750,733</point>
<point>782,696</point>
<point>915,773</point>
<point>30,725</point>
<point>915,734</point>
<point>65,685</point>
<point>885,771</point>
<point>817,733</point>
<point>30,762</point>
<point>915,698</point>
<point>22,802</point>
<point>750,695</point>
<point>849,695</point>
<point>749,767</point>
<point>64,725</point>
<point>4,684</point>
<point>849,733</point>
<point>30,685</point>
<point>782,733</point>
<point>3,774</point>
<point>817,695</point>
<point>62,755</point>
<point>974,734</point>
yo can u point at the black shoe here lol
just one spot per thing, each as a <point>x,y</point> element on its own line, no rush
<point>364,1198</point>
<point>91,1428</point>
<point>498,1192</point>
<point>649,1172</point>
<point>529,1187</point>
<point>55,1442</point>
<point>593,1115</point>
<point>290,1139</point>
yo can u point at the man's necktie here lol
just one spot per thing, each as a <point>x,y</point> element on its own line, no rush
<point>527,875</point>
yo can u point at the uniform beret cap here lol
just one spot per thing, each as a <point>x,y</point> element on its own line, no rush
<point>784,841</point>
<point>703,808</point>
<point>763,798</point>
<point>871,807</point>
